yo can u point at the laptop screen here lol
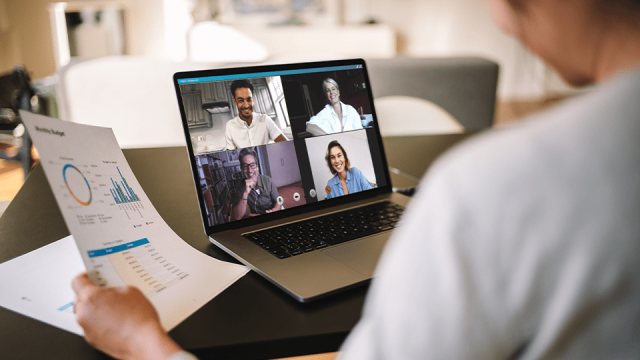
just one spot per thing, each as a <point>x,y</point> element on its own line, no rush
<point>276,140</point>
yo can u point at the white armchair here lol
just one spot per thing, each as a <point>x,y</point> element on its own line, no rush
<point>133,95</point>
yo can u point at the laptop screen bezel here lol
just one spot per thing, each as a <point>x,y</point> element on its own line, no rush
<point>380,190</point>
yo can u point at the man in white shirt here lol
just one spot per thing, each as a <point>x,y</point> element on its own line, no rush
<point>249,128</point>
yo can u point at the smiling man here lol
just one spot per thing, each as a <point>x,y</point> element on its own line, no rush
<point>257,195</point>
<point>249,128</point>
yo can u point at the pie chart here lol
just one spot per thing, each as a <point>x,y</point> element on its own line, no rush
<point>77,184</point>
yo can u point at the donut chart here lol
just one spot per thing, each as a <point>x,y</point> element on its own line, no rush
<point>74,182</point>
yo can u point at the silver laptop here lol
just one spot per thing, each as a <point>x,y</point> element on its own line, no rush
<point>290,171</point>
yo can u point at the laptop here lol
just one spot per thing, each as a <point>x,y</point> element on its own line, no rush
<point>290,171</point>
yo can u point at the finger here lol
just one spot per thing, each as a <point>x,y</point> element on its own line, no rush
<point>82,283</point>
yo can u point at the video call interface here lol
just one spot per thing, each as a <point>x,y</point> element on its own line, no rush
<point>311,138</point>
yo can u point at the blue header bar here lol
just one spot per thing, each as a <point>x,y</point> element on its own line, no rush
<point>116,249</point>
<point>265,74</point>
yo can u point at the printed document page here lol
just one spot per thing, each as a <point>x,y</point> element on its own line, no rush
<point>121,237</point>
<point>38,284</point>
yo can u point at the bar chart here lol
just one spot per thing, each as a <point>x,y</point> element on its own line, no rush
<point>122,193</point>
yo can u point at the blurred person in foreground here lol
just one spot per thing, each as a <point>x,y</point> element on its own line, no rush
<point>523,243</point>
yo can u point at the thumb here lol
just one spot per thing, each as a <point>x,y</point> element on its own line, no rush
<point>82,283</point>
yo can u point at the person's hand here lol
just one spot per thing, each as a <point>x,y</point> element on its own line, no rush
<point>249,184</point>
<point>120,321</point>
<point>276,207</point>
<point>315,130</point>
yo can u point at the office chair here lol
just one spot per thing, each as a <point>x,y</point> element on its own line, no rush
<point>464,87</point>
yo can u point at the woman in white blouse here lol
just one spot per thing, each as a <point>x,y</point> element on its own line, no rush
<point>336,116</point>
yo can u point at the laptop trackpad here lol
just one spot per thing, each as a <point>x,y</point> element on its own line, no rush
<point>361,255</point>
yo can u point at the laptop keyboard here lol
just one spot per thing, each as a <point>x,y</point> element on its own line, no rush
<point>320,232</point>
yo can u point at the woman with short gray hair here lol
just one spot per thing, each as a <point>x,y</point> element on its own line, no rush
<point>335,116</point>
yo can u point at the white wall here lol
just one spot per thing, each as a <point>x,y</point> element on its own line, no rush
<point>460,27</point>
<point>356,146</point>
<point>283,163</point>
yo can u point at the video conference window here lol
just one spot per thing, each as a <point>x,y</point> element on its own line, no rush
<point>235,114</point>
<point>244,183</point>
<point>341,164</point>
<point>327,102</point>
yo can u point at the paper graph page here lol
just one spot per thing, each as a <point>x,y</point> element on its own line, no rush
<point>121,237</point>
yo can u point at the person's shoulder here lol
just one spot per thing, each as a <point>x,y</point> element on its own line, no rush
<point>349,107</point>
<point>261,116</point>
<point>264,179</point>
<point>234,122</point>
<point>546,145</point>
<point>355,171</point>
<point>326,109</point>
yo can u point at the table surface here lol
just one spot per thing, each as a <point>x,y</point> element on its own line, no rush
<point>251,319</point>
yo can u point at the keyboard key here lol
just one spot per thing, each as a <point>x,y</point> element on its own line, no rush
<point>273,245</point>
<point>320,245</point>
<point>278,250</point>
<point>305,236</point>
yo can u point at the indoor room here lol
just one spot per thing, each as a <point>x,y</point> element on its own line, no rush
<point>507,129</point>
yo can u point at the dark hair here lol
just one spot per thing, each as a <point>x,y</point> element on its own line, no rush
<point>240,84</point>
<point>327,157</point>
<point>247,151</point>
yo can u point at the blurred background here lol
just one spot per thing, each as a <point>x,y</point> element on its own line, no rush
<point>88,56</point>
<point>45,35</point>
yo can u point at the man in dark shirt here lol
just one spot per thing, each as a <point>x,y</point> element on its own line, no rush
<point>257,195</point>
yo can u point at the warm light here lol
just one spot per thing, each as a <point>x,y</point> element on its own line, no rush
<point>60,36</point>
<point>177,22</point>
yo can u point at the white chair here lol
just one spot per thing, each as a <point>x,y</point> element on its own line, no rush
<point>463,86</point>
<point>405,115</point>
<point>133,95</point>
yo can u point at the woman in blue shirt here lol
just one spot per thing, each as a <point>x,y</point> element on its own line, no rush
<point>347,179</point>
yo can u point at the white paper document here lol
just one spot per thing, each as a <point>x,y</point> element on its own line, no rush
<point>121,237</point>
<point>38,284</point>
